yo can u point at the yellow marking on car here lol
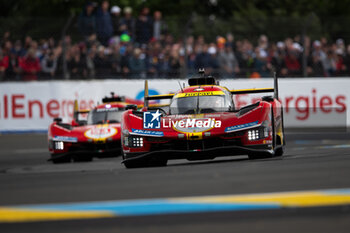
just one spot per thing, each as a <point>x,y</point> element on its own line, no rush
<point>204,93</point>
<point>194,136</point>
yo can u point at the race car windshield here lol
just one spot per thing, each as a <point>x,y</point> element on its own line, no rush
<point>200,104</point>
<point>104,116</point>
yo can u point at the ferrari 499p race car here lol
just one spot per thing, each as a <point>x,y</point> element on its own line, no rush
<point>202,122</point>
<point>98,135</point>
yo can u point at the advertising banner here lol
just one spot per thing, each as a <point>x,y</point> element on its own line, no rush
<point>31,106</point>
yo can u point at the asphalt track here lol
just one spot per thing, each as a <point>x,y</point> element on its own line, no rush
<point>313,161</point>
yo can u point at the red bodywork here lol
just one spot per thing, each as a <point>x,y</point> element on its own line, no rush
<point>82,141</point>
<point>231,138</point>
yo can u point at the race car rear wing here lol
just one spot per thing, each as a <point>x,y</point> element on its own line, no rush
<point>259,90</point>
<point>234,92</point>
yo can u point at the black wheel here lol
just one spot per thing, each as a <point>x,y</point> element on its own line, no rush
<point>279,151</point>
<point>82,158</point>
<point>267,155</point>
<point>63,159</point>
<point>279,141</point>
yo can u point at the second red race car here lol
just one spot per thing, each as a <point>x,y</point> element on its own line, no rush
<point>202,122</point>
<point>98,135</point>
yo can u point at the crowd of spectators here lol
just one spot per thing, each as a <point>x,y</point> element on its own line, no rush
<point>116,44</point>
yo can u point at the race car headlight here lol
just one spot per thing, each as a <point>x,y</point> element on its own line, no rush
<point>135,141</point>
<point>59,145</point>
<point>253,134</point>
<point>256,134</point>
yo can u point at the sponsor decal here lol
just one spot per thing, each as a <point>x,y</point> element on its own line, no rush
<point>147,132</point>
<point>65,139</point>
<point>204,93</point>
<point>107,109</point>
<point>151,120</point>
<point>267,141</point>
<point>192,125</point>
<point>242,126</point>
<point>100,132</point>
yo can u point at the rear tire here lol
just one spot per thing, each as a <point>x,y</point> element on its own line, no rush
<point>279,151</point>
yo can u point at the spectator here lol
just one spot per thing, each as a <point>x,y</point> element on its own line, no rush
<point>87,21</point>
<point>339,62</point>
<point>127,24</point>
<point>228,62</point>
<point>203,58</point>
<point>230,41</point>
<point>115,14</point>
<point>330,63</point>
<point>159,26</point>
<point>49,65</point>
<point>292,63</point>
<point>76,63</point>
<point>126,53</point>
<point>315,66</point>
<point>4,63</point>
<point>154,58</point>
<point>213,60</point>
<point>137,64</point>
<point>340,47</point>
<point>30,65</point>
<point>102,63</point>
<point>278,62</point>
<point>13,70</point>
<point>115,60</point>
<point>318,50</point>
<point>18,50</point>
<point>90,65</point>
<point>262,46</point>
<point>347,60</point>
<point>174,62</point>
<point>27,43</point>
<point>293,58</point>
<point>143,27</point>
<point>260,62</point>
<point>104,23</point>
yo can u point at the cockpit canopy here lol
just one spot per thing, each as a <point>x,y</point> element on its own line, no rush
<point>201,102</point>
<point>103,116</point>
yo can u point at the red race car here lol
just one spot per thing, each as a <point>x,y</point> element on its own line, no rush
<point>98,135</point>
<point>202,122</point>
